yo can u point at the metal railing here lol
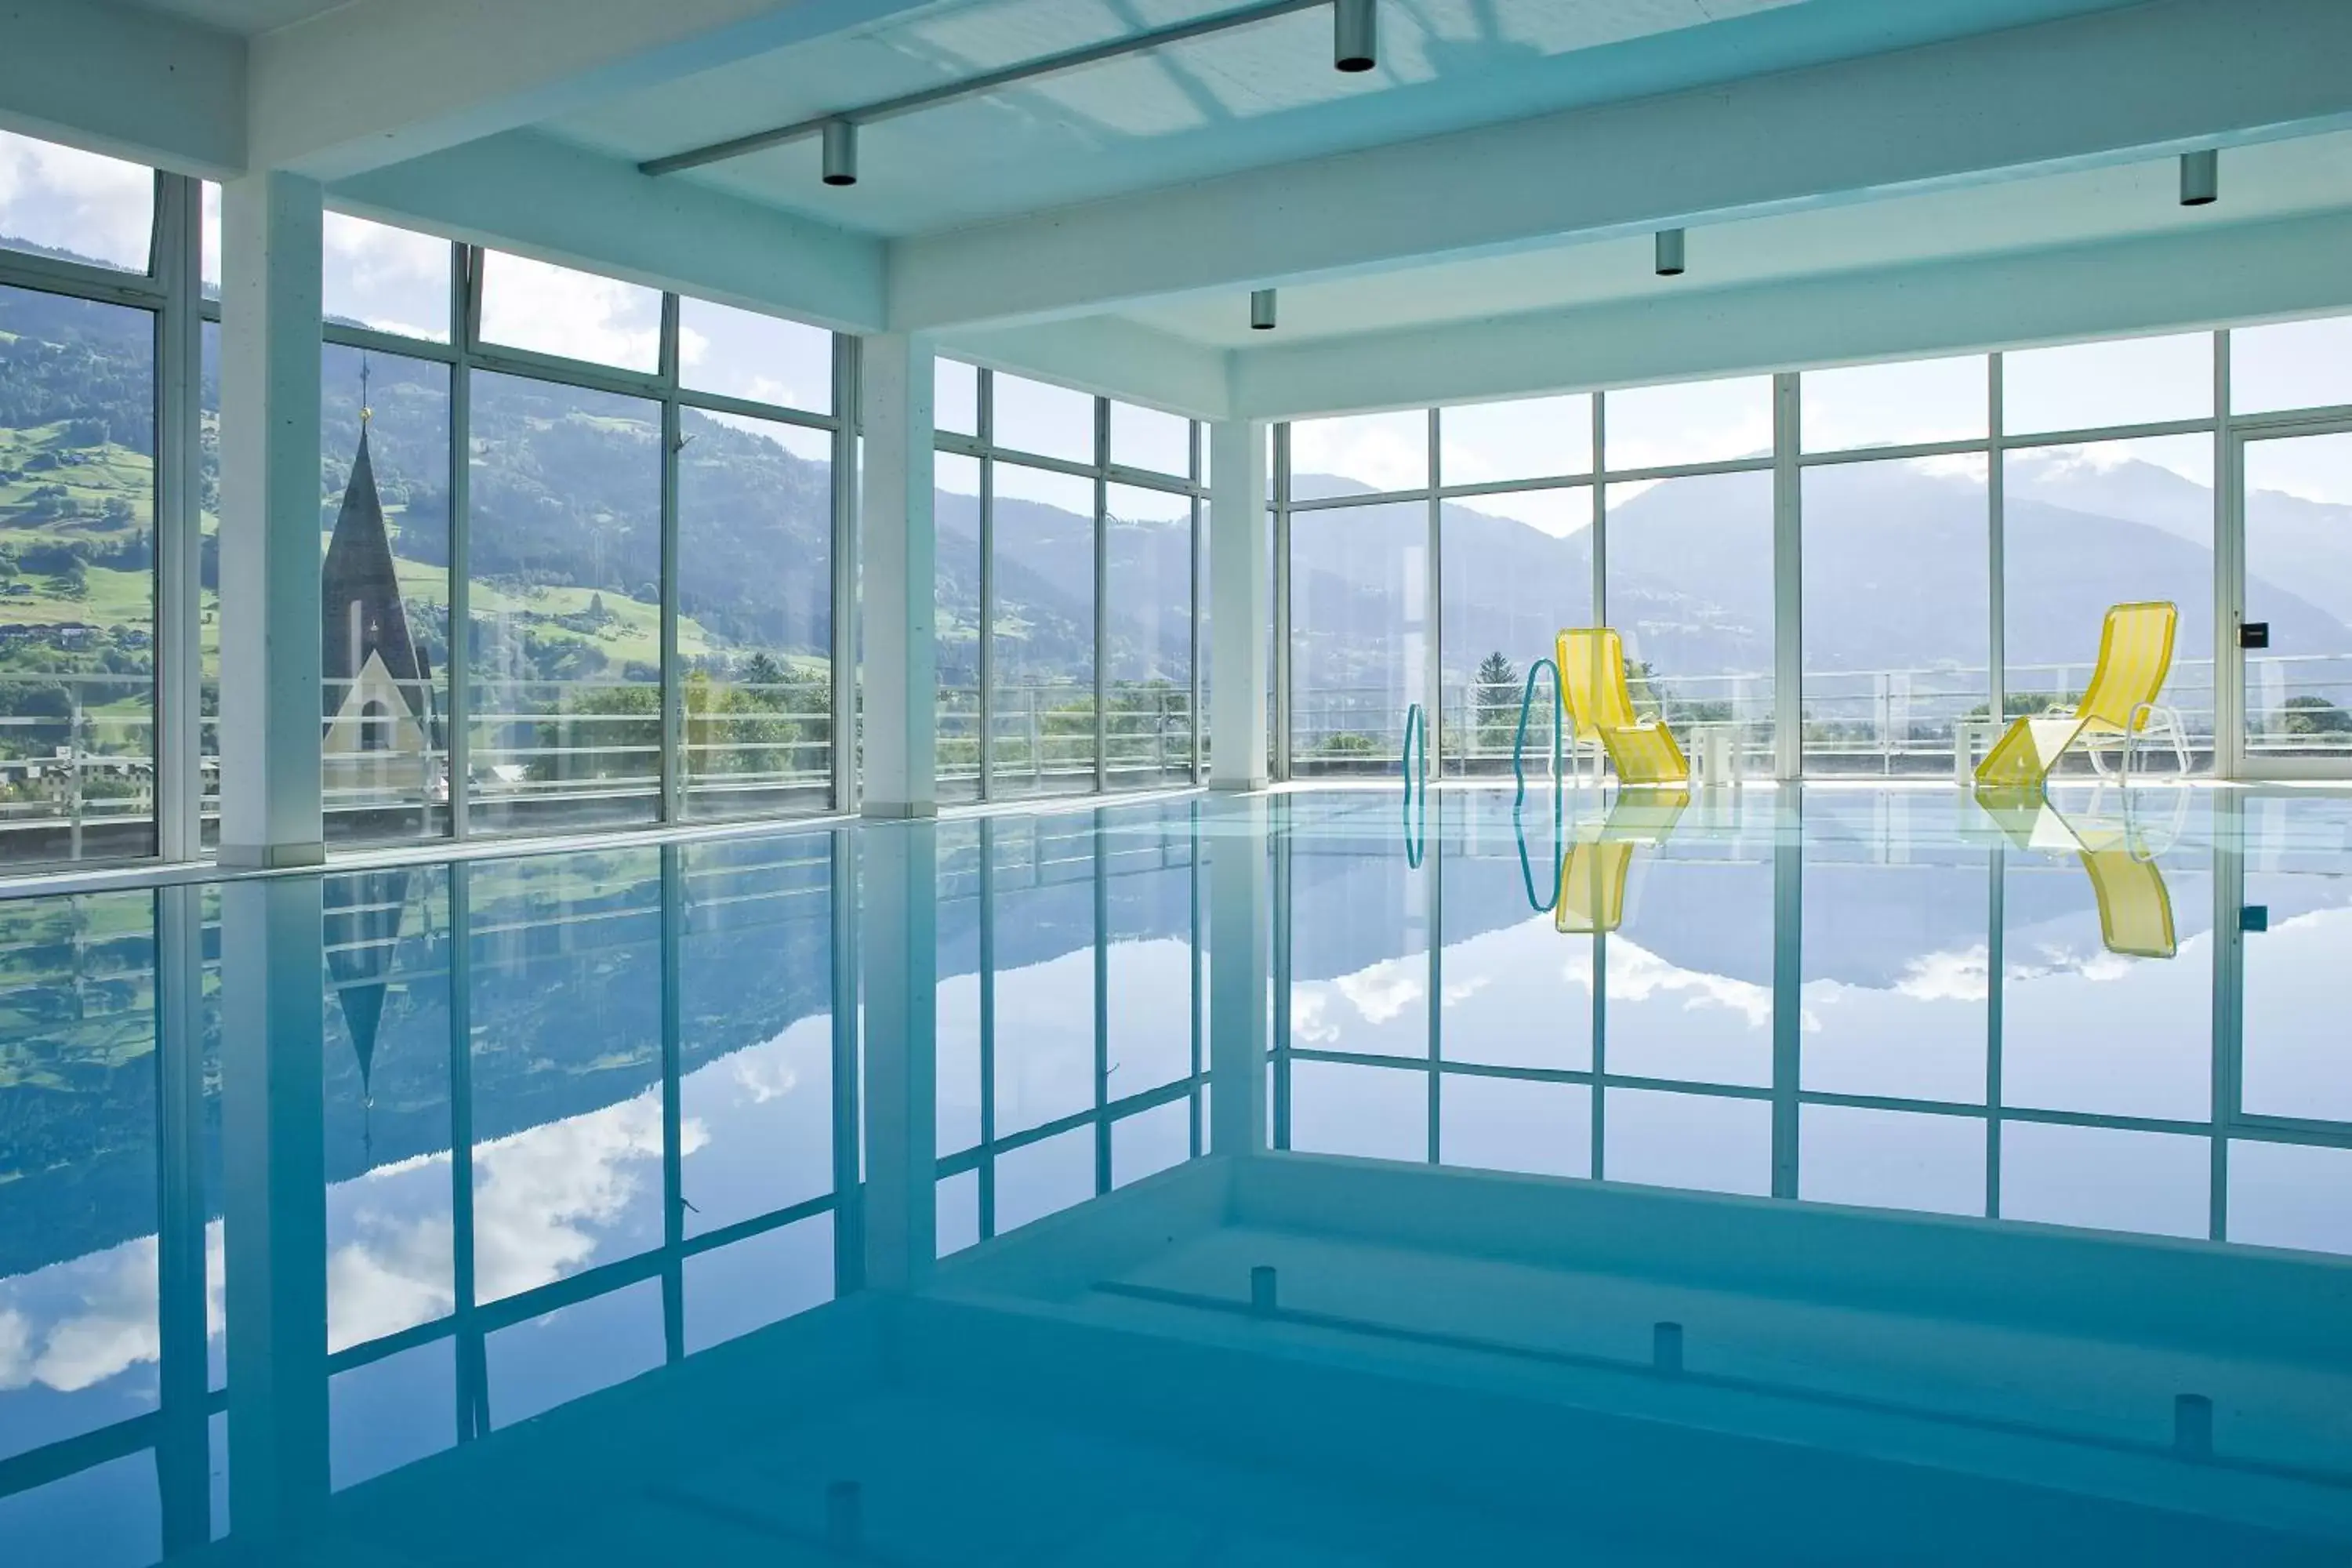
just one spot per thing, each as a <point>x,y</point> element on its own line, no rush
<point>1042,736</point>
<point>1889,721</point>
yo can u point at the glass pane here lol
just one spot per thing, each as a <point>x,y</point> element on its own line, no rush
<point>2287,1194</point>
<point>1351,1108</point>
<point>955,519</point>
<point>550,1359</point>
<point>1359,932</point>
<point>1148,953</point>
<point>1359,635</point>
<point>2112,522</point>
<point>1891,1159</point>
<point>1898,612</point>
<point>755,987</point>
<point>383,514</point>
<point>2106,1178</point>
<point>1042,653</point>
<point>1895,989</point>
<point>2298,521</point>
<point>742,353</point>
<point>2091,1021</point>
<point>75,205</point>
<point>1043,875</point>
<point>386,1101</point>
<point>755,614</point>
<point>1359,454</point>
<point>208,242</point>
<point>762,1279</point>
<point>1517,992</point>
<point>1146,438</point>
<point>1693,422</point>
<point>392,279</point>
<point>1711,1142</point>
<point>77,1173</point>
<point>566,644</point>
<point>550,310</point>
<point>208,572</point>
<point>1509,1125</point>
<point>2293,1063</point>
<point>1045,1177</point>
<point>1901,404</point>
<point>386,1414</point>
<point>1693,1008</point>
<point>567,1064</point>
<point>1533,438</point>
<point>1518,567</point>
<point>108,1516</point>
<point>77,579</point>
<point>960,912</point>
<point>1035,416</point>
<point>955,397</point>
<point>2295,364</point>
<point>1690,589</point>
<point>1147,631</point>
<point>2130,380</point>
<point>1151,1140</point>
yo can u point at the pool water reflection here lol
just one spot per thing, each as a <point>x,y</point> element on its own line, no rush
<point>578,1115</point>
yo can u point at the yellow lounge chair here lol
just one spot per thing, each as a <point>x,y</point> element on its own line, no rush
<point>1593,877</point>
<point>2135,906</point>
<point>1600,707</point>
<point>2117,707</point>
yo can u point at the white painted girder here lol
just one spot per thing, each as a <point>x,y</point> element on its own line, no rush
<point>2109,87</point>
<point>378,81</point>
<point>2277,270</point>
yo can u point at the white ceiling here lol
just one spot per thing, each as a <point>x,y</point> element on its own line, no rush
<point>1261,95</point>
<point>2271,180</point>
<point>246,16</point>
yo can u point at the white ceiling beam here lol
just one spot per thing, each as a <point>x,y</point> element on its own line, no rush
<point>2100,88</point>
<point>134,85</point>
<point>537,197</point>
<point>2179,281</point>
<point>378,81</point>
<point>1110,355</point>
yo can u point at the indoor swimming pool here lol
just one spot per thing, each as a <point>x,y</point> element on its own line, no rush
<point>1508,1174</point>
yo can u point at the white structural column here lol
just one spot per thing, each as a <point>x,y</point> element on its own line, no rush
<point>1241,604</point>
<point>269,614</point>
<point>274,1204</point>
<point>899,945</point>
<point>900,568</point>
<point>1241,924</point>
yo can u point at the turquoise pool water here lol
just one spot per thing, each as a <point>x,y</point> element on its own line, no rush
<point>1991,1169</point>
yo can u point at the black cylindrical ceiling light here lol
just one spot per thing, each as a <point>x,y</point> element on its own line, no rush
<point>2200,178</point>
<point>840,152</point>
<point>1670,253</point>
<point>1355,26</point>
<point>1261,310</point>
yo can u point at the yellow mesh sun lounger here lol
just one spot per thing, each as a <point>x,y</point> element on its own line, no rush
<point>2135,906</point>
<point>2135,657</point>
<point>1592,878</point>
<point>1600,706</point>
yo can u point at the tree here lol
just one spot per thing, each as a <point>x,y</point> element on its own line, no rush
<point>1497,684</point>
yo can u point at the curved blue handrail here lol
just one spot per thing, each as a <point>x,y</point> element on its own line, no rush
<point>1416,726</point>
<point>1519,742</point>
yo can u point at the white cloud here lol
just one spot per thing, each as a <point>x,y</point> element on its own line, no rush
<point>100,207</point>
<point>1385,990</point>
<point>554,310</point>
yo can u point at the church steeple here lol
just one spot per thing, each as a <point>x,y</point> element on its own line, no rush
<point>364,616</point>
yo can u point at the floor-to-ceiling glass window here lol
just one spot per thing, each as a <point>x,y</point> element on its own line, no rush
<point>1897,624</point>
<point>1515,532</point>
<point>1359,582</point>
<point>2087,523</point>
<point>78,505</point>
<point>1068,531</point>
<point>1690,556</point>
